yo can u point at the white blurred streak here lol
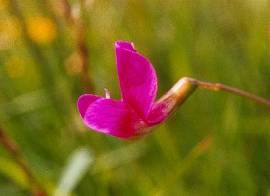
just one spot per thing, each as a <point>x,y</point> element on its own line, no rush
<point>24,103</point>
<point>29,102</point>
<point>77,166</point>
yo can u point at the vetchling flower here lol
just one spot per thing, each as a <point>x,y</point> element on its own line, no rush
<point>137,111</point>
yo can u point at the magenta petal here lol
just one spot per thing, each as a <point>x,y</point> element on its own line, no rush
<point>112,117</point>
<point>125,45</point>
<point>138,81</point>
<point>158,113</point>
<point>84,101</point>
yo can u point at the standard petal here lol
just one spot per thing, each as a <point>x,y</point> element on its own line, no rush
<point>112,117</point>
<point>137,77</point>
<point>125,45</point>
<point>84,101</point>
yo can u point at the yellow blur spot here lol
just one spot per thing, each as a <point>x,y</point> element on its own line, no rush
<point>3,4</point>
<point>15,67</point>
<point>10,30</point>
<point>41,30</point>
<point>74,64</point>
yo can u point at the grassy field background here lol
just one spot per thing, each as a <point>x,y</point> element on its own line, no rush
<point>215,144</point>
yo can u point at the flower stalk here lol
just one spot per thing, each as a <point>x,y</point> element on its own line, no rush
<point>186,86</point>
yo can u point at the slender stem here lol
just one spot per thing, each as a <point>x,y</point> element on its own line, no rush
<point>67,11</point>
<point>79,26</point>
<point>229,89</point>
<point>12,148</point>
<point>83,51</point>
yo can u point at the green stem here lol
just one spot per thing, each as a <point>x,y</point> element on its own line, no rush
<point>179,93</point>
<point>80,31</point>
<point>228,89</point>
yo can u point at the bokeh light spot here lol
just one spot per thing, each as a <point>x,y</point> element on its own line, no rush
<point>10,31</point>
<point>3,4</point>
<point>74,64</point>
<point>41,30</point>
<point>15,67</point>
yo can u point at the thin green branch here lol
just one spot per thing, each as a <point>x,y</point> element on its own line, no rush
<point>179,93</point>
<point>80,34</point>
<point>229,89</point>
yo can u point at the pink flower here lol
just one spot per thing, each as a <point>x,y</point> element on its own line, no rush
<point>137,111</point>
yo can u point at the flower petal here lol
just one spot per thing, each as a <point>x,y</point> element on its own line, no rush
<point>84,101</point>
<point>159,113</point>
<point>112,117</point>
<point>125,45</point>
<point>137,77</point>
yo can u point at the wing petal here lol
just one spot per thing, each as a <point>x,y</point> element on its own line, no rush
<point>112,117</point>
<point>84,101</point>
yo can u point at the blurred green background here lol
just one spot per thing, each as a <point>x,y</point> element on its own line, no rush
<point>215,144</point>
